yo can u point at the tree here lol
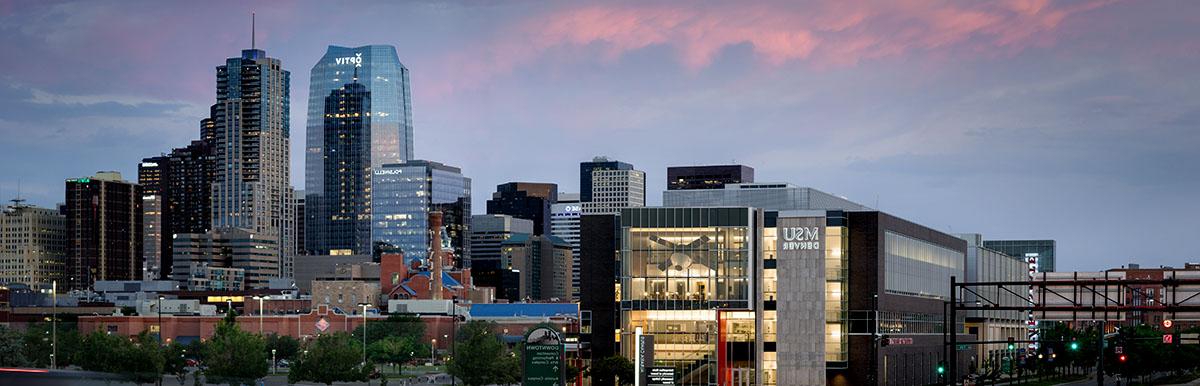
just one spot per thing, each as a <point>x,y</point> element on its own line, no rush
<point>175,361</point>
<point>401,325</point>
<point>39,338</point>
<point>604,371</point>
<point>328,359</point>
<point>285,347</point>
<point>396,351</point>
<point>480,357</point>
<point>12,353</point>
<point>137,358</point>
<point>234,356</point>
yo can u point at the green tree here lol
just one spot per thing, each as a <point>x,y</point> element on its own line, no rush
<point>40,336</point>
<point>175,361</point>
<point>396,351</point>
<point>234,356</point>
<point>480,357</point>
<point>100,352</point>
<point>607,370</point>
<point>141,359</point>
<point>12,353</point>
<point>285,347</point>
<point>401,325</point>
<point>330,358</point>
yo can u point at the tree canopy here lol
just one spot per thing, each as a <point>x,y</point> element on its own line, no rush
<point>330,358</point>
<point>481,358</point>
<point>234,356</point>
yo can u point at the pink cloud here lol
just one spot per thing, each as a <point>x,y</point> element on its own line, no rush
<point>823,34</point>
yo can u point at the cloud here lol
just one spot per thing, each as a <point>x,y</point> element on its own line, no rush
<point>824,34</point>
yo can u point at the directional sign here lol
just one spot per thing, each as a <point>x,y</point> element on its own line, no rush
<point>1168,338</point>
<point>543,358</point>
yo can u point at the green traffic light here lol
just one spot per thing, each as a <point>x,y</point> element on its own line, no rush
<point>941,369</point>
<point>1011,346</point>
<point>1074,345</point>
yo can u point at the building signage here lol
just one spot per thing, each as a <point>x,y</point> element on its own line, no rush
<point>661,376</point>
<point>387,172</point>
<point>543,358</point>
<point>800,238</point>
<point>645,353</point>
<point>322,325</point>
<point>356,60</point>
<point>900,341</point>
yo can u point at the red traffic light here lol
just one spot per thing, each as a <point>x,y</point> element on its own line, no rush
<point>1122,358</point>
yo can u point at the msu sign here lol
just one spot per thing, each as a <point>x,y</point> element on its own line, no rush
<point>801,238</point>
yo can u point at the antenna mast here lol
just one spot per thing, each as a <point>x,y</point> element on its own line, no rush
<point>252,31</point>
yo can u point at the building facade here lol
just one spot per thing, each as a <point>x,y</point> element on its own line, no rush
<point>988,265</point>
<point>597,163</point>
<point>104,230</point>
<point>707,177</point>
<point>542,266</point>
<point>564,224</point>
<point>769,196</point>
<point>359,119</point>
<point>1042,249</point>
<point>251,125</point>
<point>488,233</point>
<point>177,193</point>
<point>33,244</point>
<point>403,196</point>
<point>527,200</point>
<point>616,189</point>
<point>226,248</point>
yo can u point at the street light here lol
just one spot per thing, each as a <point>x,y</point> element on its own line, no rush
<point>160,329</point>
<point>432,350</point>
<point>54,324</point>
<point>364,326</point>
<point>260,313</point>
<point>274,362</point>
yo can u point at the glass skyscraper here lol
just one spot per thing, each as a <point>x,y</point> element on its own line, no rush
<point>359,119</point>
<point>405,193</point>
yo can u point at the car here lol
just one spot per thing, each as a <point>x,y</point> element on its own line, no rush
<point>191,362</point>
<point>283,363</point>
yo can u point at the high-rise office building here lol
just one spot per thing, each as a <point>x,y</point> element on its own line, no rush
<point>405,193</point>
<point>564,224</point>
<point>32,245</point>
<point>300,209</point>
<point>1042,249</point>
<point>359,119</point>
<point>527,200</point>
<point>541,265</point>
<point>250,121</point>
<point>616,189</point>
<point>597,163</point>
<point>203,259</point>
<point>707,177</point>
<point>177,191</point>
<point>104,230</point>
<point>488,232</point>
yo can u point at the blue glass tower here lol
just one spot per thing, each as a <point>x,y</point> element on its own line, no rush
<point>338,166</point>
<point>405,193</point>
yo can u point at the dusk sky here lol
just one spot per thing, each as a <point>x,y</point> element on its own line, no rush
<point>1077,121</point>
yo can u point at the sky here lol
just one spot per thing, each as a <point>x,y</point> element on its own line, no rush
<point>1077,121</point>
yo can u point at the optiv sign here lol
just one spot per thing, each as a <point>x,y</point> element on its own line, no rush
<point>356,60</point>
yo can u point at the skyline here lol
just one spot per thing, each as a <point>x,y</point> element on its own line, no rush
<point>1070,121</point>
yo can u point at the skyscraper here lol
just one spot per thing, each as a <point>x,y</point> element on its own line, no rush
<point>1024,249</point>
<point>527,200</point>
<point>250,121</point>
<point>597,163</point>
<point>177,190</point>
<point>564,224</point>
<point>104,230</point>
<point>405,193</point>
<point>359,119</point>
<point>616,189</point>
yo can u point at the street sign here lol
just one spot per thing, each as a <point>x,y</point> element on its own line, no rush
<point>1189,338</point>
<point>661,376</point>
<point>1167,323</point>
<point>1119,350</point>
<point>1168,338</point>
<point>543,358</point>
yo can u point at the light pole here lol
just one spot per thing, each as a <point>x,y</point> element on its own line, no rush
<point>160,329</point>
<point>432,351</point>
<point>273,362</point>
<point>260,313</point>
<point>364,326</point>
<point>54,324</point>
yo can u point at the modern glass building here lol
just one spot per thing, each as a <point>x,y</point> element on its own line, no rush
<point>359,119</point>
<point>766,195</point>
<point>1044,249</point>
<point>403,196</point>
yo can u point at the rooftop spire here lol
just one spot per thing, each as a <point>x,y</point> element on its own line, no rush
<point>252,46</point>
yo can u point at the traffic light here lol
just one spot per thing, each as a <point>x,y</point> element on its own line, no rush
<point>1074,345</point>
<point>1122,358</point>
<point>1012,343</point>
<point>941,368</point>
